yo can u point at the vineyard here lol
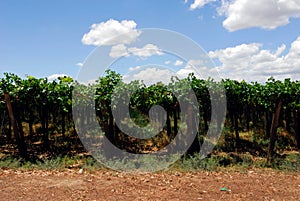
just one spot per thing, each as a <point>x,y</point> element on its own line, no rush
<point>37,115</point>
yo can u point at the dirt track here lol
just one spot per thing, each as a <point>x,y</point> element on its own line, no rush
<point>109,185</point>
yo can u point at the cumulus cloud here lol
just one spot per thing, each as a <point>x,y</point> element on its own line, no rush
<point>150,75</point>
<point>253,63</point>
<point>200,3</point>
<point>111,32</point>
<point>198,67</point>
<point>184,72</point>
<point>178,63</point>
<point>79,64</point>
<point>135,68</point>
<point>242,14</point>
<point>236,56</point>
<point>294,54</point>
<point>118,51</point>
<point>267,14</point>
<point>147,51</point>
<point>119,35</point>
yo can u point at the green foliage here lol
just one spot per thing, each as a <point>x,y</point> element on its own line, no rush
<point>42,105</point>
<point>289,162</point>
<point>9,162</point>
<point>194,163</point>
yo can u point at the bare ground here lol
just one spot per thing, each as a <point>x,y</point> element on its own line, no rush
<point>255,184</point>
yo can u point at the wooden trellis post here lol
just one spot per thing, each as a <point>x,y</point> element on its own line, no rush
<point>18,136</point>
<point>273,132</point>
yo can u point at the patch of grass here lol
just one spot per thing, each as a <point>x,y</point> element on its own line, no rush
<point>8,162</point>
<point>90,164</point>
<point>57,163</point>
<point>54,163</point>
<point>195,163</point>
<point>238,162</point>
<point>288,162</point>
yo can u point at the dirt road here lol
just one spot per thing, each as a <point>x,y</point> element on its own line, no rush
<point>108,185</point>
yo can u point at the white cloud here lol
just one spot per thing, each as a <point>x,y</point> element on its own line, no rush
<point>111,32</point>
<point>135,68</point>
<point>197,67</point>
<point>79,64</point>
<point>146,51</point>
<point>150,75</point>
<point>294,54</point>
<point>184,72</point>
<point>267,14</point>
<point>118,51</point>
<point>242,14</point>
<point>236,56</point>
<point>55,77</point>
<point>200,3</point>
<point>252,63</point>
<point>178,63</point>
<point>167,62</point>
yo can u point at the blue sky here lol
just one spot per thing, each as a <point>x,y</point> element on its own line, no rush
<point>247,39</point>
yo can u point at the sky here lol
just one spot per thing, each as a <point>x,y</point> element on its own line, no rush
<point>245,39</point>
